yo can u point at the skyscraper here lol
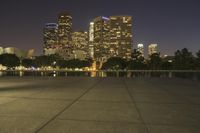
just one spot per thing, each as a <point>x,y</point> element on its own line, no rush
<point>152,48</point>
<point>50,38</point>
<point>91,40</point>
<point>80,42</point>
<point>121,36</point>
<point>101,38</point>
<point>64,34</point>
<point>140,48</point>
<point>91,32</point>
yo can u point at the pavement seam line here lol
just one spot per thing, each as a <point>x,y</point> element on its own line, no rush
<point>134,103</point>
<point>68,106</point>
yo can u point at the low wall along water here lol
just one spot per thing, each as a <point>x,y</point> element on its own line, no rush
<point>132,73</point>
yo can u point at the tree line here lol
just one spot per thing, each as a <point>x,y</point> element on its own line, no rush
<point>12,61</point>
<point>182,60</point>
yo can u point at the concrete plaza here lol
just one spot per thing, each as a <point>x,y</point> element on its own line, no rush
<point>99,105</point>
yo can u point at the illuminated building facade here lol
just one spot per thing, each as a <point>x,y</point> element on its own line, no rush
<point>91,40</point>
<point>152,48</point>
<point>1,50</point>
<point>107,37</point>
<point>80,40</point>
<point>18,52</point>
<point>91,32</point>
<point>64,33</point>
<point>79,54</point>
<point>140,48</point>
<point>80,43</point>
<point>9,50</point>
<point>121,36</point>
<point>50,38</point>
<point>101,38</point>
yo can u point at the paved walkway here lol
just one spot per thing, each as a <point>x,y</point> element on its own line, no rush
<point>99,105</point>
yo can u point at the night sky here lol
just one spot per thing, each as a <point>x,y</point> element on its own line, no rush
<point>173,24</point>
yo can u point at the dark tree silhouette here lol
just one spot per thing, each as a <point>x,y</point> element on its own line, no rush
<point>197,62</point>
<point>74,63</point>
<point>28,63</point>
<point>155,61</point>
<point>114,63</point>
<point>137,62</point>
<point>46,60</point>
<point>183,60</point>
<point>9,60</point>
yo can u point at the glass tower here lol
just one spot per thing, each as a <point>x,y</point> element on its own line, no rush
<point>50,38</point>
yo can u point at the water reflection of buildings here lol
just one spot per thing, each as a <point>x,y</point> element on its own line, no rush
<point>100,73</point>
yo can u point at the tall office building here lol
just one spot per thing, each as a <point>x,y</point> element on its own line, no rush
<point>121,36</point>
<point>64,34</point>
<point>80,42</point>
<point>50,38</point>
<point>101,38</point>
<point>91,32</point>
<point>152,48</point>
<point>140,48</point>
<point>91,40</point>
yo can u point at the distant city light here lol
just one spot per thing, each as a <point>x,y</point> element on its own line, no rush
<point>152,49</point>
<point>140,48</point>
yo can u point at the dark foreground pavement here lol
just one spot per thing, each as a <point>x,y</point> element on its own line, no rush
<point>99,105</point>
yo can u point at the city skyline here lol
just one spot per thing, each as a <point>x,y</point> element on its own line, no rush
<point>106,37</point>
<point>156,24</point>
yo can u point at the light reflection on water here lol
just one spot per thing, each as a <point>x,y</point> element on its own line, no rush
<point>21,73</point>
<point>1,73</point>
<point>162,74</point>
